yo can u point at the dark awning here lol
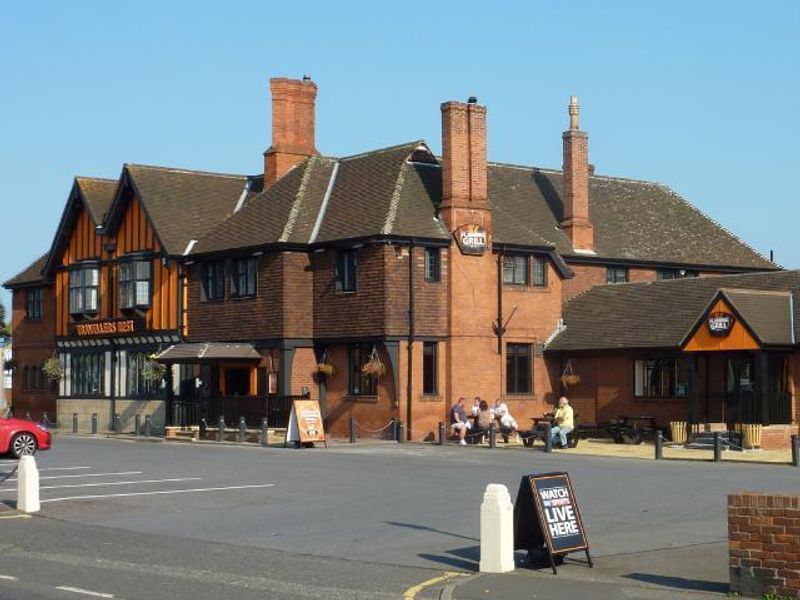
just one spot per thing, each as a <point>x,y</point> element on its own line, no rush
<point>203,352</point>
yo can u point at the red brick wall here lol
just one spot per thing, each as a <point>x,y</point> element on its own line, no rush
<point>304,367</point>
<point>360,313</point>
<point>764,544</point>
<point>293,108</point>
<point>259,317</point>
<point>298,297</point>
<point>33,343</point>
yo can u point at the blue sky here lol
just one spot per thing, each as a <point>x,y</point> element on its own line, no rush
<point>699,95</point>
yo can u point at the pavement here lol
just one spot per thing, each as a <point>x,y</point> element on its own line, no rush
<point>128,520</point>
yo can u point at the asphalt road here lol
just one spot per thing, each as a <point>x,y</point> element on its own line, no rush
<point>152,520</point>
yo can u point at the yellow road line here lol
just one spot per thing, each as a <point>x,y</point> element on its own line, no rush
<point>412,592</point>
<point>15,516</point>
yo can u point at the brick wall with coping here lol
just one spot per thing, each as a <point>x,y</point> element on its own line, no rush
<point>764,544</point>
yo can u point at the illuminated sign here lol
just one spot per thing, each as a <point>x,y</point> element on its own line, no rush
<point>471,239</point>
<point>720,323</point>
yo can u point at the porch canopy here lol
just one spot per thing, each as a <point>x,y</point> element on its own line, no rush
<point>208,352</point>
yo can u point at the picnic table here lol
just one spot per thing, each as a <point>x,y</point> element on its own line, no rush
<point>632,429</point>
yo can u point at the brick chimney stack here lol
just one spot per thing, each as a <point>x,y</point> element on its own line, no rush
<point>293,108</point>
<point>464,188</point>
<point>575,222</point>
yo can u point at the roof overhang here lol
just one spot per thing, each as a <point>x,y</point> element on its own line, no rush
<point>208,352</point>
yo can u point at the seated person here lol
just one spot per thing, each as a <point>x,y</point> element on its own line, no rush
<point>505,422</point>
<point>476,406</point>
<point>484,419</point>
<point>564,422</point>
<point>459,422</point>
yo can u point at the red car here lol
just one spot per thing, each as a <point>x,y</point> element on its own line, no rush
<point>18,437</point>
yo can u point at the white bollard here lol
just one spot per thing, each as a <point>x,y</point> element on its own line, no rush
<point>28,485</point>
<point>497,530</point>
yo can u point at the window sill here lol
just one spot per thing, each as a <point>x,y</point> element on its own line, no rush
<point>345,292</point>
<point>235,298</point>
<point>431,398</point>
<point>660,398</point>
<point>366,399</point>
<point>212,300</point>
<point>529,396</point>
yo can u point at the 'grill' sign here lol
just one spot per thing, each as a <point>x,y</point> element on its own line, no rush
<point>471,239</point>
<point>720,323</point>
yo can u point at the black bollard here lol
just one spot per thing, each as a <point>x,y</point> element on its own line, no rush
<point>148,426</point>
<point>94,422</point>
<point>659,445</point>
<point>492,437</point>
<point>796,450</point>
<point>400,437</point>
<point>137,425</point>
<point>242,429</point>
<point>717,447</point>
<point>264,432</point>
<point>203,428</point>
<point>74,422</point>
<point>221,429</point>
<point>116,425</point>
<point>352,430</point>
<point>548,437</point>
<point>442,433</point>
<point>45,421</point>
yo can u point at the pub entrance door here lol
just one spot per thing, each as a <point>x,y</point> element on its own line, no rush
<point>741,390</point>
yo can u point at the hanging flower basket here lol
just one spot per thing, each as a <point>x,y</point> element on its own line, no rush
<point>569,378</point>
<point>53,369</point>
<point>153,370</point>
<point>326,369</point>
<point>374,366</point>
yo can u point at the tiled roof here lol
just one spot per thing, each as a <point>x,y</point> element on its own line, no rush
<point>30,274</point>
<point>633,220</point>
<point>98,194</point>
<point>389,192</point>
<point>185,205</point>
<point>768,314</point>
<point>660,314</point>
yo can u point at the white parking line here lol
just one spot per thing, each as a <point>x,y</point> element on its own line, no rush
<point>8,578</point>
<point>67,588</point>
<point>82,476</point>
<point>189,491</point>
<point>106,484</point>
<point>65,469</point>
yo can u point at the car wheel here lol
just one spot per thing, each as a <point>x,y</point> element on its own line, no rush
<point>23,443</point>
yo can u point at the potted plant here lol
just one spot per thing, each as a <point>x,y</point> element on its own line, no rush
<point>53,369</point>
<point>152,370</point>
<point>568,377</point>
<point>374,366</point>
<point>324,367</point>
<point>751,435</point>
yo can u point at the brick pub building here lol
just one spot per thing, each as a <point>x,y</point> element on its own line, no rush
<point>459,275</point>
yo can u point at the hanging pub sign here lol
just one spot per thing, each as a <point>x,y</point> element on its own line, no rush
<point>305,424</point>
<point>720,323</point>
<point>107,328</point>
<point>546,518</point>
<point>471,239</point>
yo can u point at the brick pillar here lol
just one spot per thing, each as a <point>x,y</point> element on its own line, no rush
<point>293,110</point>
<point>764,538</point>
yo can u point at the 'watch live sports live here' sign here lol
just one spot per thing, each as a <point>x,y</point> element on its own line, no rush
<point>546,516</point>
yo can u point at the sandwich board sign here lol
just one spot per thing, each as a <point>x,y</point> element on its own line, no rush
<point>546,516</point>
<point>305,423</point>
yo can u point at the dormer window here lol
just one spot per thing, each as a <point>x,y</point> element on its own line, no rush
<point>134,283</point>
<point>84,283</point>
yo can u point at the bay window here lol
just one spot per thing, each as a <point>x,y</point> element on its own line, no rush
<point>84,283</point>
<point>134,283</point>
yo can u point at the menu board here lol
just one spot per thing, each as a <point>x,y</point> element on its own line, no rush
<point>305,423</point>
<point>546,516</point>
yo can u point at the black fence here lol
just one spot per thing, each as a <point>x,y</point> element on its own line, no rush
<point>187,413</point>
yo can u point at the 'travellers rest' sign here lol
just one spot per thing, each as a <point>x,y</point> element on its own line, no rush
<point>720,323</point>
<point>471,239</point>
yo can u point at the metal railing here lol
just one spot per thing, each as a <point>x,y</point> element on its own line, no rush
<point>275,408</point>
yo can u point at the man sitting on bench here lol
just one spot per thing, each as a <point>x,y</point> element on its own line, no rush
<point>564,423</point>
<point>459,422</point>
